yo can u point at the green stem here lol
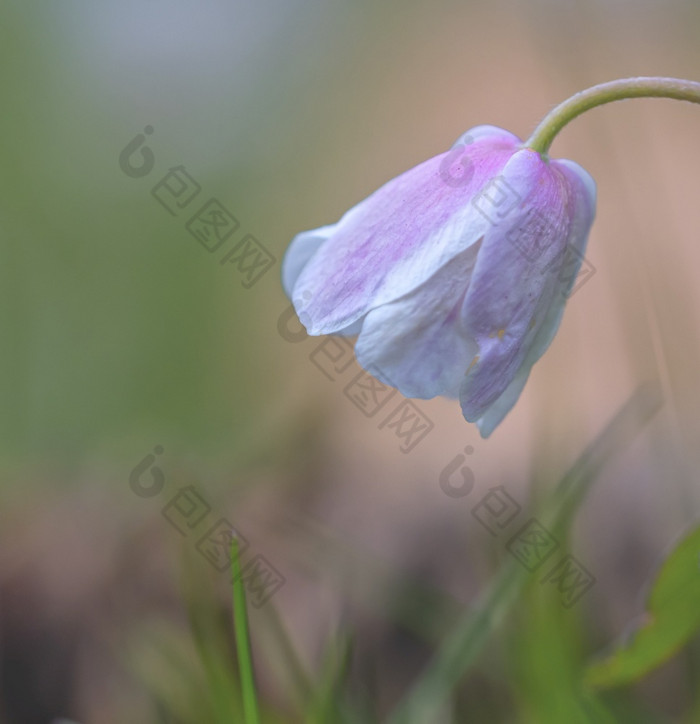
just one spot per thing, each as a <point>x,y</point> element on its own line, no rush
<point>598,95</point>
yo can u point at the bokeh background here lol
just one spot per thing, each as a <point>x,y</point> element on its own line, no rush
<point>121,333</point>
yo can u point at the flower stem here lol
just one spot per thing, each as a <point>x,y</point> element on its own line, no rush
<point>598,95</point>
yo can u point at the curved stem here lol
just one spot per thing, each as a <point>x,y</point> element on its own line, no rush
<point>598,95</point>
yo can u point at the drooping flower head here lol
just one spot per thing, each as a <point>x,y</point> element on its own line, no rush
<point>453,275</point>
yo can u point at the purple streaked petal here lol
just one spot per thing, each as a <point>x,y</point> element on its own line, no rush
<point>416,343</point>
<point>583,200</point>
<point>581,209</point>
<point>493,417</point>
<point>397,238</point>
<point>516,278</point>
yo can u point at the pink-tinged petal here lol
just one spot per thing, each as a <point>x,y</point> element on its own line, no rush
<point>416,343</point>
<point>297,256</point>
<point>397,238</point>
<point>516,277</point>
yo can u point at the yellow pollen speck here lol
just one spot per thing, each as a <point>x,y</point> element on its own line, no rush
<point>500,333</point>
<point>472,363</point>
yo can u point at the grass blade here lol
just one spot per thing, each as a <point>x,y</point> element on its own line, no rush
<point>240,627</point>
<point>432,691</point>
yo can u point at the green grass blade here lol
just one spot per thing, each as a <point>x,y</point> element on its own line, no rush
<point>286,654</point>
<point>432,691</point>
<point>546,651</point>
<point>323,706</point>
<point>672,618</point>
<point>210,639</point>
<point>240,627</point>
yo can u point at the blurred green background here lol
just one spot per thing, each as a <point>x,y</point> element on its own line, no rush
<point>121,332</point>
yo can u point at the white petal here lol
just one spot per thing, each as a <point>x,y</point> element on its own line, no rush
<point>352,330</point>
<point>416,343</point>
